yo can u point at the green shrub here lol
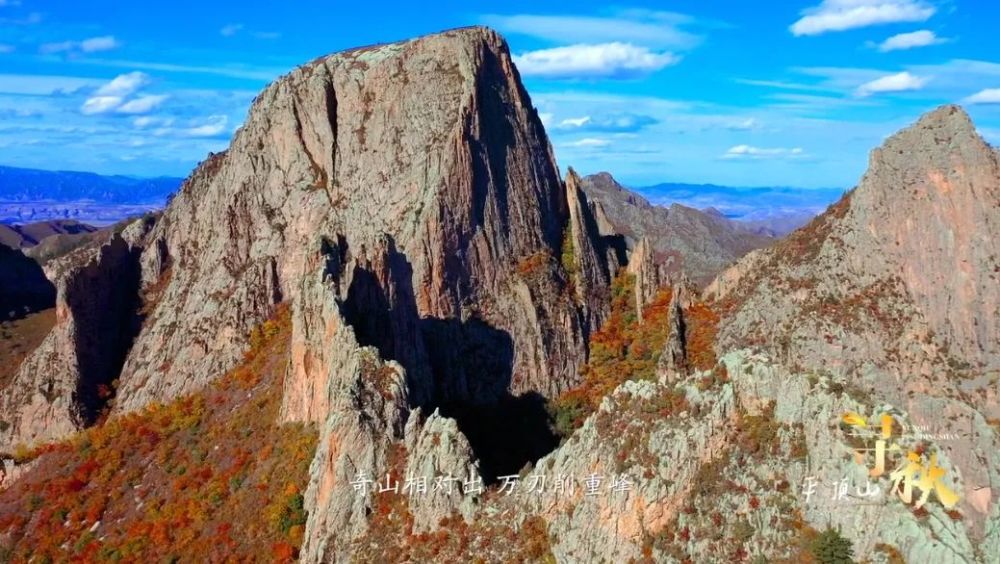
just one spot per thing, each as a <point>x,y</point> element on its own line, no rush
<point>830,547</point>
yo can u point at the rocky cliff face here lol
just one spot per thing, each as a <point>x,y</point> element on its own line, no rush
<point>681,239</point>
<point>900,273</point>
<point>432,144</point>
<point>404,200</point>
<point>66,382</point>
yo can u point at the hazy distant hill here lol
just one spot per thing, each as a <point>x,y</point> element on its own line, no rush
<point>29,235</point>
<point>24,184</point>
<point>31,196</point>
<point>779,210</point>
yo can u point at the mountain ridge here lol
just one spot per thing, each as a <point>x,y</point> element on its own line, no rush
<point>683,240</point>
<point>385,277</point>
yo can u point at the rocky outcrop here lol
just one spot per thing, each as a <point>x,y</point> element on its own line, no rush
<point>673,361</point>
<point>66,382</point>
<point>648,276</point>
<point>438,450</point>
<point>723,471</point>
<point>681,239</point>
<point>900,274</point>
<point>431,143</point>
<point>583,254</point>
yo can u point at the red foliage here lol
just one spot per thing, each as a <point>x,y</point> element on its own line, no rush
<point>624,348</point>
<point>171,480</point>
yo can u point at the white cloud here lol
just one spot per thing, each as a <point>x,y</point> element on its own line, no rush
<point>606,60</point>
<point>546,118</point>
<point>43,85</point>
<point>987,96</point>
<point>114,96</point>
<point>841,15</point>
<point>230,30</point>
<point>233,29</point>
<point>652,28</point>
<point>142,104</point>
<point>143,122</point>
<point>92,45</point>
<point>214,125</point>
<point>574,122</point>
<point>31,19</point>
<point>751,152</point>
<point>899,82</point>
<point>588,142</point>
<point>96,44</point>
<point>100,104</point>
<point>231,71</point>
<point>124,84</point>
<point>922,38</point>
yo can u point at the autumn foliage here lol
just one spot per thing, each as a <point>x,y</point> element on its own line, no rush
<point>702,326</point>
<point>625,348</point>
<point>622,349</point>
<point>211,476</point>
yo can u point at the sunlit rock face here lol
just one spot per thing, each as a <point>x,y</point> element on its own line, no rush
<point>431,144</point>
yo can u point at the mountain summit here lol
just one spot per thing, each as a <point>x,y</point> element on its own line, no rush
<point>404,200</point>
<point>908,257</point>
<point>697,243</point>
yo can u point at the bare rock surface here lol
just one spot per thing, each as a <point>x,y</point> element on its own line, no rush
<point>703,486</point>
<point>901,274</point>
<point>432,143</point>
<point>681,239</point>
<point>65,383</point>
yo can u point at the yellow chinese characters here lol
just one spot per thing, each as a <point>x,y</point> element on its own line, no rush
<point>912,473</point>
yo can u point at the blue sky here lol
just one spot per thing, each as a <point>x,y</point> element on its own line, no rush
<point>790,93</point>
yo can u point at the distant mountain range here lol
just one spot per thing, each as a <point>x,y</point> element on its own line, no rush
<point>25,184</point>
<point>30,195</point>
<point>779,210</point>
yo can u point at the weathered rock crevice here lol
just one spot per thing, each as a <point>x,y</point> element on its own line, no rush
<point>461,368</point>
<point>104,300</point>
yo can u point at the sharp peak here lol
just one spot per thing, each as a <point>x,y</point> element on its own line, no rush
<point>572,176</point>
<point>950,119</point>
<point>950,113</point>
